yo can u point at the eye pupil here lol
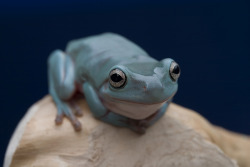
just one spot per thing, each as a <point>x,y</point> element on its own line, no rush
<point>116,78</point>
<point>176,69</point>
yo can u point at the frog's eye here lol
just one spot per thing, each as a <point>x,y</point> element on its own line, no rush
<point>174,71</point>
<point>117,78</point>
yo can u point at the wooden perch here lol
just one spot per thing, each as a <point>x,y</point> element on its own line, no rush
<point>181,138</point>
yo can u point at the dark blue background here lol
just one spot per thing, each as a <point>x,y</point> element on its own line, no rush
<point>210,41</point>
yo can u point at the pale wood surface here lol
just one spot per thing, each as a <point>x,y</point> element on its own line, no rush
<point>181,138</point>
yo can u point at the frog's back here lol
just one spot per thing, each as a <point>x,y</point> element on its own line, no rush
<point>95,55</point>
<point>105,41</point>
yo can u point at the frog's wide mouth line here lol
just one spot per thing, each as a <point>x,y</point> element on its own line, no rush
<point>128,101</point>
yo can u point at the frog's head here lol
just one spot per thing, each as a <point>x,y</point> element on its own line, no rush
<point>141,84</point>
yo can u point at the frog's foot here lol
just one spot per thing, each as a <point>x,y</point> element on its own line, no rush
<point>65,111</point>
<point>139,126</point>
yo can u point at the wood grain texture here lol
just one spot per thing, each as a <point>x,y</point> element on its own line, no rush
<point>181,138</point>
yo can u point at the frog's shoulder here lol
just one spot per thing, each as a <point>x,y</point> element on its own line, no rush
<point>75,46</point>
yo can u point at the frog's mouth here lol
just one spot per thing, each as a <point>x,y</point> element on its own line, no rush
<point>131,109</point>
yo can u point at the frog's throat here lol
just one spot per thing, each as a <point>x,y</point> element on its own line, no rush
<point>131,109</point>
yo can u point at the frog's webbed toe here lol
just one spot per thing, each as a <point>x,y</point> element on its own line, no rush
<point>59,119</point>
<point>139,126</point>
<point>76,124</point>
<point>77,110</point>
<point>140,129</point>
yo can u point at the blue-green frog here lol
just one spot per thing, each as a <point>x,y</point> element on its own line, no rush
<point>121,83</point>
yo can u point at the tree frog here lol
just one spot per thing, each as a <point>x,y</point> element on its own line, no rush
<point>121,83</point>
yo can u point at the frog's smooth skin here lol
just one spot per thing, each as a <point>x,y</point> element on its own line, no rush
<point>122,84</point>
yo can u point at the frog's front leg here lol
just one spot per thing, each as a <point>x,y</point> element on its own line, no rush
<point>62,86</point>
<point>154,117</point>
<point>100,112</point>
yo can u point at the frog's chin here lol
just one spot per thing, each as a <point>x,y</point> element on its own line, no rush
<point>131,109</point>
